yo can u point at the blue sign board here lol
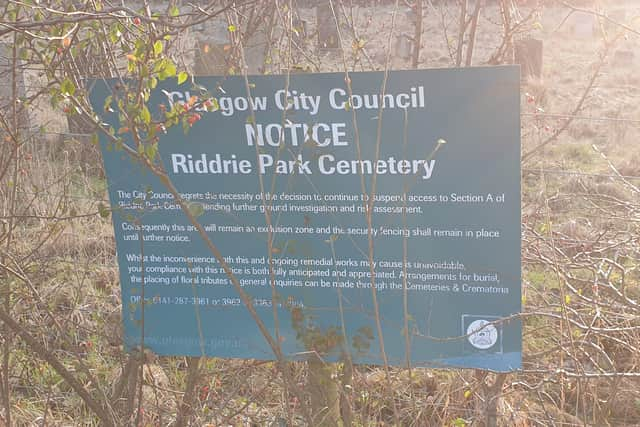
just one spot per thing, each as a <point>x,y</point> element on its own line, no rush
<point>299,161</point>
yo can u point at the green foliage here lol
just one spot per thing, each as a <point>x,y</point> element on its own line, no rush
<point>103,210</point>
<point>67,88</point>
<point>361,341</point>
<point>157,48</point>
<point>312,336</point>
<point>196,209</point>
<point>458,422</point>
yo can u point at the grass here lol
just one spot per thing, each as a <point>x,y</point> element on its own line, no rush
<point>570,156</point>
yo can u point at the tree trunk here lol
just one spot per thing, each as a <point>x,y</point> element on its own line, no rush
<point>324,393</point>
<point>417,37</point>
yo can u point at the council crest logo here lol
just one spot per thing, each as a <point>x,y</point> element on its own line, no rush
<point>482,334</point>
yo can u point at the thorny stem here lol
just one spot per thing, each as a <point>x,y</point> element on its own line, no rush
<point>283,364</point>
<point>5,388</point>
<point>368,204</point>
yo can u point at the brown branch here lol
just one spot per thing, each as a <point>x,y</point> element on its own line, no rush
<point>462,29</point>
<point>417,35</point>
<point>573,113</point>
<point>601,15</point>
<point>472,32</point>
<point>186,407</point>
<point>93,403</point>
